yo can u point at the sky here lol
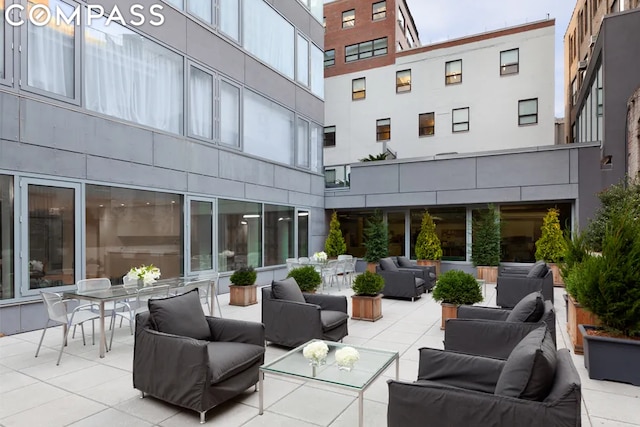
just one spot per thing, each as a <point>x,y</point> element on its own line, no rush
<point>440,20</point>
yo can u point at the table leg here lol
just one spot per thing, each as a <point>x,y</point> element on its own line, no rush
<point>397,368</point>
<point>260,392</point>
<point>212,287</point>
<point>103,339</point>
<point>360,408</point>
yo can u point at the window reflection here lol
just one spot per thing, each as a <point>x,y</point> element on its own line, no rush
<point>7,268</point>
<point>303,233</point>
<point>451,226</point>
<point>239,234</point>
<point>279,224</point>
<point>201,236</point>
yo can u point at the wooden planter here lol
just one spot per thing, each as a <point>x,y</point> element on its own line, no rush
<point>371,266</point>
<point>449,311</point>
<point>242,295</point>
<point>434,263</point>
<point>557,277</point>
<point>488,274</point>
<point>577,315</point>
<point>366,307</point>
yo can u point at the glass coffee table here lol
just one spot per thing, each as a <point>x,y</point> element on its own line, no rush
<point>371,365</point>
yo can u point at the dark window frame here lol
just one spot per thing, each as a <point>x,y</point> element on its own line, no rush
<point>512,67</point>
<point>403,87</point>
<point>349,23</point>
<point>355,93</point>
<point>377,16</point>
<point>329,62</point>
<point>525,116</point>
<point>366,49</point>
<point>329,139</point>
<point>383,130</point>
<point>452,78</point>
<point>426,130</point>
<point>454,123</point>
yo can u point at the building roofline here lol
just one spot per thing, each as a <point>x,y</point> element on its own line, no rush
<point>412,21</point>
<point>479,37</point>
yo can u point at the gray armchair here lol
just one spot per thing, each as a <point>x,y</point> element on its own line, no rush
<point>191,360</point>
<point>424,272</point>
<point>494,332</point>
<point>511,288</point>
<point>537,385</point>
<point>292,318</point>
<point>400,284</point>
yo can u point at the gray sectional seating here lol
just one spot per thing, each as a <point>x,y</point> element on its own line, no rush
<point>400,284</point>
<point>514,284</point>
<point>424,272</point>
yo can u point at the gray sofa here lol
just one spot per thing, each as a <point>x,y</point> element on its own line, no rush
<point>291,317</point>
<point>400,284</point>
<point>191,360</point>
<point>536,385</point>
<point>494,332</point>
<point>424,272</point>
<point>513,285</point>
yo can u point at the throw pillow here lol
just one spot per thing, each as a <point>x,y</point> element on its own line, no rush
<point>387,264</point>
<point>287,289</point>
<point>530,370</point>
<point>180,315</point>
<point>539,269</point>
<point>405,262</point>
<point>528,309</point>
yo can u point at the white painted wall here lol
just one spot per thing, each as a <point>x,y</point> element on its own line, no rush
<point>492,100</point>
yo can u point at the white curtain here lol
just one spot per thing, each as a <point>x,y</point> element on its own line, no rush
<point>269,36</point>
<point>51,55</point>
<point>302,151</point>
<point>177,3</point>
<point>302,61</point>
<point>317,134</point>
<point>2,39</point>
<point>230,18</point>
<point>317,71</point>
<point>200,103</point>
<point>202,9</point>
<point>229,114</point>
<point>132,78</point>
<point>268,129</point>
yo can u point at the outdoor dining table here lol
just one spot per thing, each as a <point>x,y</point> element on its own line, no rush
<point>121,292</point>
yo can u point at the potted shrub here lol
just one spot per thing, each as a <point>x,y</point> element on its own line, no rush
<point>242,291</point>
<point>335,244</point>
<point>610,288</point>
<point>428,248</point>
<point>550,247</point>
<point>485,250</point>
<point>366,304</point>
<point>307,278</point>
<point>455,287</point>
<point>376,241</point>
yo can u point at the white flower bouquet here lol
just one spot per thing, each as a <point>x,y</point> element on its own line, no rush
<point>35,265</point>
<point>147,273</point>
<point>346,357</point>
<point>316,352</point>
<point>320,256</point>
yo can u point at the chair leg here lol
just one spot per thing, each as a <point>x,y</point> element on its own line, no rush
<point>142,395</point>
<point>84,342</point>
<point>42,337</point>
<point>65,333</point>
<point>113,314</point>
<point>202,416</point>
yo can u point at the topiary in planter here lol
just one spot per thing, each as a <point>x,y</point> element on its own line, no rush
<point>244,276</point>
<point>457,287</point>
<point>335,244</point>
<point>376,239</point>
<point>307,278</point>
<point>485,250</point>
<point>550,247</point>
<point>428,244</point>
<point>368,283</point>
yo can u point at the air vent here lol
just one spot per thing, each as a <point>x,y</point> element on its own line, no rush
<point>592,40</point>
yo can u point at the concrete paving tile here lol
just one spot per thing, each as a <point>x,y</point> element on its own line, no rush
<point>28,397</point>
<point>269,419</point>
<point>601,422</point>
<point>613,407</point>
<point>58,412</point>
<point>14,380</point>
<point>374,415</point>
<point>68,363</point>
<point>110,418</point>
<point>148,409</point>
<point>312,405</point>
<point>275,388</point>
<point>87,378</point>
<point>227,414</point>
<point>113,392</point>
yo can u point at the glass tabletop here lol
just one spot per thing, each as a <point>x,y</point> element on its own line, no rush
<point>371,364</point>
<point>120,291</point>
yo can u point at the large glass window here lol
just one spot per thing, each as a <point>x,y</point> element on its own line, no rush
<point>230,18</point>
<point>2,73</point>
<point>269,36</point>
<point>279,224</point>
<point>453,72</point>
<point>7,267</point>
<point>395,225</point>
<point>131,77</point>
<point>268,129</point>
<point>316,147</point>
<point>303,233</point>
<point>460,119</point>
<point>200,103</point>
<point>51,52</point>
<point>451,226</point>
<point>229,114</point>
<point>302,60</point>
<point>352,225</point>
<point>426,124</point>
<point>126,228</point>
<point>239,234</point>
<point>528,111</point>
<point>302,144</point>
<point>366,49</point>
<point>403,81</point>
<point>330,136</point>
<point>203,9</point>
<point>317,71</point>
<point>201,238</point>
<point>509,62</point>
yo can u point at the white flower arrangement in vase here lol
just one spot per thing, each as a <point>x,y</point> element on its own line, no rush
<point>35,265</point>
<point>320,256</point>
<point>346,358</point>
<point>147,273</point>
<point>316,352</point>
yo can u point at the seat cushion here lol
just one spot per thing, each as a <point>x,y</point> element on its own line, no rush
<point>539,269</point>
<point>180,315</point>
<point>387,264</point>
<point>530,370</point>
<point>419,282</point>
<point>528,309</point>
<point>227,359</point>
<point>287,290</point>
<point>330,319</point>
<point>403,261</point>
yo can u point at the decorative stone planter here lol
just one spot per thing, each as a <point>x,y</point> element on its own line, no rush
<point>608,358</point>
<point>577,315</point>
<point>557,277</point>
<point>366,307</point>
<point>449,311</point>
<point>243,295</point>
<point>434,263</point>
<point>488,274</point>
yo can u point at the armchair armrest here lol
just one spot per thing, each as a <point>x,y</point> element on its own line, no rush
<point>399,284</point>
<point>327,302</point>
<point>459,369</point>
<point>511,289</point>
<point>231,330</point>
<point>476,312</point>
<point>488,338</point>
<point>290,323</point>
<point>417,272</point>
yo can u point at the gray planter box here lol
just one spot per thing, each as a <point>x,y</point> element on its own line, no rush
<point>612,359</point>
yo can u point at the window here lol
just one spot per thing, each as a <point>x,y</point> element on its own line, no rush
<point>324,23</point>
<point>302,144</point>
<point>509,62</point>
<point>426,124</point>
<point>201,235</point>
<point>403,81</point>
<point>330,58</point>
<point>379,10</point>
<point>330,136</point>
<point>358,88</point>
<point>2,65</point>
<point>200,103</point>
<point>279,243</point>
<point>316,147</point>
<point>383,129</point>
<point>203,10</point>
<point>451,228</point>
<point>302,60</point>
<point>229,114</point>
<point>460,119</point>
<point>528,111</point>
<point>409,37</point>
<point>401,19</point>
<point>365,49</point>
<point>303,233</point>
<point>239,234</point>
<point>230,18</point>
<point>574,91</point>
<point>349,18</point>
<point>317,71</point>
<point>7,244</point>
<point>453,72</point>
